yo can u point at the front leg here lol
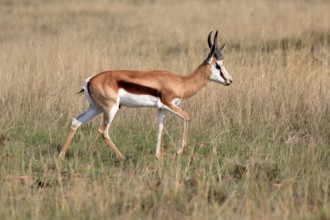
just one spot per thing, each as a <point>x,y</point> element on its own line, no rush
<point>160,122</point>
<point>184,136</point>
<point>185,116</point>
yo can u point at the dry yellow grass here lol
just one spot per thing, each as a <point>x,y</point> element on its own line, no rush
<point>257,149</point>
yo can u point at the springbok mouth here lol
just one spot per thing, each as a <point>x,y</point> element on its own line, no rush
<point>229,82</point>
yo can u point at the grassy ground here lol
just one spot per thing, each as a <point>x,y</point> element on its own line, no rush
<point>258,149</point>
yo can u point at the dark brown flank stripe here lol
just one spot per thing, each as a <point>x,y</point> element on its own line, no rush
<point>139,89</point>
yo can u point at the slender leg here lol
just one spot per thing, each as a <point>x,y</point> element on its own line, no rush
<point>67,142</point>
<point>104,130</point>
<point>176,110</point>
<point>184,136</point>
<point>160,130</point>
<point>91,112</point>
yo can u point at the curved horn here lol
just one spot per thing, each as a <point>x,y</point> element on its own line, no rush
<point>211,54</point>
<point>216,39</point>
<point>209,39</point>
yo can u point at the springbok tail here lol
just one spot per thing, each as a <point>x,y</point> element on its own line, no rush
<point>86,91</point>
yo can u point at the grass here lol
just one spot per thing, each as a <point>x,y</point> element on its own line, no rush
<point>258,149</point>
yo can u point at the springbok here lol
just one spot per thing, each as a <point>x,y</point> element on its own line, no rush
<point>108,91</point>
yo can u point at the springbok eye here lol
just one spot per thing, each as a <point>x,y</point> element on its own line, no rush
<point>217,66</point>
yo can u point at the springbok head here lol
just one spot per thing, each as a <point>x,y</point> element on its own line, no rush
<point>215,60</point>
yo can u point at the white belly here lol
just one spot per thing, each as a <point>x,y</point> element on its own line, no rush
<point>132,100</point>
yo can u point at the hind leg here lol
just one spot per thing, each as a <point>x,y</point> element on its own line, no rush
<point>108,116</point>
<point>91,112</point>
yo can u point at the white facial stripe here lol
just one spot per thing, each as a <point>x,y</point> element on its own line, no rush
<point>225,72</point>
<point>220,75</point>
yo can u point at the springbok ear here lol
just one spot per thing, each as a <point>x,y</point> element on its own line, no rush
<point>222,47</point>
<point>211,54</point>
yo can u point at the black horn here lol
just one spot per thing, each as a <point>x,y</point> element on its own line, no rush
<point>216,39</point>
<point>211,54</point>
<point>209,40</point>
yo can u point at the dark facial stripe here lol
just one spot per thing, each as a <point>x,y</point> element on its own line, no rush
<point>139,89</point>
<point>220,70</point>
<point>221,74</point>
